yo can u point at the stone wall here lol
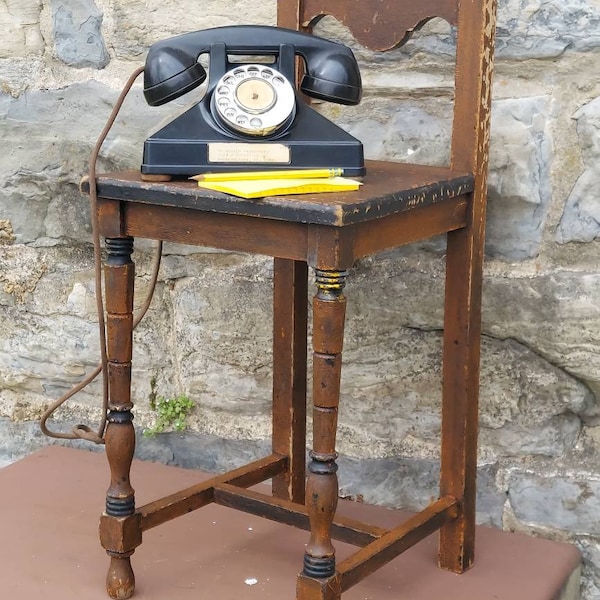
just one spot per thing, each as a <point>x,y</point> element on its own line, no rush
<point>62,64</point>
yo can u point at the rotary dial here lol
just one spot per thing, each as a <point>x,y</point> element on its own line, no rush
<point>254,100</point>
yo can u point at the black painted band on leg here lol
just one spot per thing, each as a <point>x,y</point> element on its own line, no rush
<point>319,567</point>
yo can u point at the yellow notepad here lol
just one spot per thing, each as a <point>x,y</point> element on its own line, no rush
<point>259,188</point>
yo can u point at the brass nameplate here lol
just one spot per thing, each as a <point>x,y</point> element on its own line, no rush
<point>248,153</point>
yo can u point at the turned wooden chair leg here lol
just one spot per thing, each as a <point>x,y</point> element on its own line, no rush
<point>120,533</point>
<point>290,306</point>
<point>329,307</point>
<point>462,330</point>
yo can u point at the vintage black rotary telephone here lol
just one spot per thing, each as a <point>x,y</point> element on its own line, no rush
<point>251,116</point>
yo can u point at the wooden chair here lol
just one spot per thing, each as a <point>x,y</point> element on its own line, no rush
<point>398,204</point>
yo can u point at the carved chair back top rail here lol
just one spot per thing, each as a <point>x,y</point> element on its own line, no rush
<point>380,25</point>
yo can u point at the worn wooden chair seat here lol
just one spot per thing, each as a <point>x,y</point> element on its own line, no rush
<point>397,204</point>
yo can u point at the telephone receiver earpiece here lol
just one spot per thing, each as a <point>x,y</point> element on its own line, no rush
<point>172,67</point>
<point>333,77</point>
<point>171,72</point>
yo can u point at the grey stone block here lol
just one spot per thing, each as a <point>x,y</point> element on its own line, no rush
<point>560,501</point>
<point>580,221</point>
<point>200,451</point>
<point>387,407</point>
<point>556,313</point>
<point>535,29</point>
<point>77,28</point>
<point>590,551</point>
<point>17,440</point>
<point>519,191</point>
<point>412,484</point>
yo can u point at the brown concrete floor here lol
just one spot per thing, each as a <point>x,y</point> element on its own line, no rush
<point>49,508</point>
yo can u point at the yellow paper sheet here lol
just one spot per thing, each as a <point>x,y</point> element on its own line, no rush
<point>259,188</point>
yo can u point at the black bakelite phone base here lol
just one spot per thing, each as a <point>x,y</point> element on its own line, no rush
<point>182,147</point>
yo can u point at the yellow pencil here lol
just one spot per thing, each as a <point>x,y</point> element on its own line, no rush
<point>253,175</point>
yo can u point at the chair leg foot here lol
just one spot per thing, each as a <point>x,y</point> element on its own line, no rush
<point>318,589</point>
<point>120,580</point>
<point>456,552</point>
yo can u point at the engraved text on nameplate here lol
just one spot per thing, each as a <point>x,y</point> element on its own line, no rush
<point>248,153</point>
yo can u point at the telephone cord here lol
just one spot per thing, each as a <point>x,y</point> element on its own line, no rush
<point>82,431</point>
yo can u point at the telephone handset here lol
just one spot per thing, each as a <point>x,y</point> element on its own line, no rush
<point>251,116</point>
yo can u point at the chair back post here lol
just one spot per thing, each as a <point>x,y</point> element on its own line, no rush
<point>473,88</point>
<point>289,14</point>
